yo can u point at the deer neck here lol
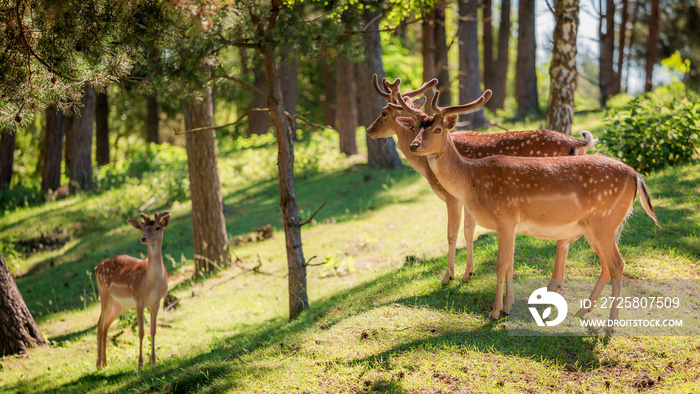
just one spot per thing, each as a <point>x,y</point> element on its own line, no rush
<point>450,168</point>
<point>404,139</point>
<point>419,163</point>
<point>155,260</point>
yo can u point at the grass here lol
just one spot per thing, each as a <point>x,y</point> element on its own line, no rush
<point>379,320</point>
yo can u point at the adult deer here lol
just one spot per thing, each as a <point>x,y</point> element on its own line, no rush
<point>472,145</point>
<point>560,198</point>
<point>127,282</point>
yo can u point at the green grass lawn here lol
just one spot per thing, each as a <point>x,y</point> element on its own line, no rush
<point>379,320</point>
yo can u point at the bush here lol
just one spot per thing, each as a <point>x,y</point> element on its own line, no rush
<point>654,131</point>
<point>162,167</point>
<point>21,195</point>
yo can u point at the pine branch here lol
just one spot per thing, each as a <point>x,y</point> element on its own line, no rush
<point>250,111</point>
<point>242,83</point>
<point>31,50</point>
<point>391,29</point>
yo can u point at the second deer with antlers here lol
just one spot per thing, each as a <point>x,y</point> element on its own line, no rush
<point>560,198</point>
<point>472,145</point>
<point>126,282</point>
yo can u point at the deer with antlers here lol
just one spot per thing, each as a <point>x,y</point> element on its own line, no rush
<point>127,282</point>
<point>472,145</point>
<point>560,198</point>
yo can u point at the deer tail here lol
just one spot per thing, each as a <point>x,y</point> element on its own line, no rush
<point>645,198</point>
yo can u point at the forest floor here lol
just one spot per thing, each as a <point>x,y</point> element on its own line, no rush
<point>379,319</point>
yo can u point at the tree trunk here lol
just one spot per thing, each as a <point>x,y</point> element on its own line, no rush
<point>429,52</point>
<point>652,47</point>
<point>259,122</point>
<point>635,16</point>
<point>487,33</point>
<point>441,66</point>
<point>500,74</point>
<point>7,157</point>
<point>102,129</point>
<point>53,149</point>
<point>621,47</point>
<point>68,122</point>
<point>296,265</point>
<point>347,107</point>
<point>381,153</point>
<point>18,330</point>
<point>328,74</point>
<point>211,247</point>
<point>289,80</point>
<point>606,78</point>
<point>469,74</point>
<point>81,162</point>
<point>562,71</point>
<point>152,119</point>
<point>525,66</point>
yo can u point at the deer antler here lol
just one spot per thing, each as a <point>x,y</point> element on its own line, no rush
<point>416,113</point>
<point>394,87</point>
<point>426,86</point>
<point>386,96</point>
<point>460,109</point>
<point>145,217</point>
<point>158,216</point>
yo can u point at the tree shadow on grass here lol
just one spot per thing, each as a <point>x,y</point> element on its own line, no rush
<point>348,193</point>
<point>73,336</point>
<point>227,359</point>
<point>62,284</point>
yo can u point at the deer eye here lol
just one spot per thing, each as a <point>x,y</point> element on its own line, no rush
<point>437,130</point>
<point>157,228</point>
<point>383,114</point>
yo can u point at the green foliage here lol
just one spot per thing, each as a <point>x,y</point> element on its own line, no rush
<point>398,63</point>
<point>318,153</point>
<point>676,63</point>
<point>9,254</point>
<point>655,131</point>
<point>52,48</point>
<point>23,195</point>
<point>163,168</point>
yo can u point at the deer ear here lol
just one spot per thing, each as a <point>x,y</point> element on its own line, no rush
<point>406,122</point>
<point>419,102</point>
<point>137,225</point>
<point>165,219</point>
<point>450,121</point>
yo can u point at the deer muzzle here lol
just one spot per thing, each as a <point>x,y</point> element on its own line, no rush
<point>417,142</point>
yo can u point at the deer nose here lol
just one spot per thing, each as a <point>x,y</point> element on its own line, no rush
<point>414,146</point>
<point>143,238</point>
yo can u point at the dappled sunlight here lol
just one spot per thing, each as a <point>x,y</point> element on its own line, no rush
<point>379,316</point>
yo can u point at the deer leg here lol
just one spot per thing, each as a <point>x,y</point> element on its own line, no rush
<point>506,246</point>
<point>454,217</point>
<point>615,265</point>
<point>114,312</point>
<point>154,316</point>
<point>105,306</point>
<point>139,318</point>
<point>469,228</point>
<point>602,280</point>
<point>560,263</point>
<point>510,295</point>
